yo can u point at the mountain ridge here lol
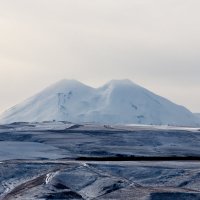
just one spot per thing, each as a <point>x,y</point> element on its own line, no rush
<point>117,101</point>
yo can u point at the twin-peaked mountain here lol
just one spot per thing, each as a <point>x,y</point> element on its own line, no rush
<point>118,101</point>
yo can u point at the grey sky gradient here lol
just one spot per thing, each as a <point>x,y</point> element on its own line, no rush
<point>155,43</point>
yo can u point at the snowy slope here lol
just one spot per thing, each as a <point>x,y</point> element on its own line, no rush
<point>198,116</point>
<point>119,101</point>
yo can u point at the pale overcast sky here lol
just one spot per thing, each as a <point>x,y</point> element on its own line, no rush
<point>155,43</point>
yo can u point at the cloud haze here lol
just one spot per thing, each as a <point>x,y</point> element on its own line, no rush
<point>153,42</point>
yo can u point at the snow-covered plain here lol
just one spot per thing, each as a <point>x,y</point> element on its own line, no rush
<point>118,101</point>
<point>54,140</point>
<point>41,161</point>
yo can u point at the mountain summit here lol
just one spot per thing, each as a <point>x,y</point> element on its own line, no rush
<point>118,101</point>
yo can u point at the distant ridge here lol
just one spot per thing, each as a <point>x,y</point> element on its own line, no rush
<point>118,101</point>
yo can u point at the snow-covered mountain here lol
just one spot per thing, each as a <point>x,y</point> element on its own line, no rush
<point>118,101</point>
<point>198,116</point>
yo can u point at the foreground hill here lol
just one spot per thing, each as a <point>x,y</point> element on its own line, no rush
<point>118,101</point>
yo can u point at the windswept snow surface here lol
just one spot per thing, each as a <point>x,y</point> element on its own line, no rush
<point>119,101</point>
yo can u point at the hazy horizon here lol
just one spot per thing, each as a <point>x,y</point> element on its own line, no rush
<point>154,43</point>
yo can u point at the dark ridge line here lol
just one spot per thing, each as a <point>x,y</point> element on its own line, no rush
<point>140,158</point>
<point>113,131</point>
<point>74,127</point>
<point>106,131</point>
